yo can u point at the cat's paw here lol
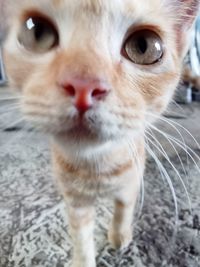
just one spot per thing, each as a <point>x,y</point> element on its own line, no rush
<point>83,263</point>
<point>119,240</point>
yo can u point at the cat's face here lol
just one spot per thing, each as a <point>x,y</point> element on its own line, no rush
<point>96,69</point>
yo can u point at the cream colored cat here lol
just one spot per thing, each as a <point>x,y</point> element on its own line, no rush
<point>92,75</point>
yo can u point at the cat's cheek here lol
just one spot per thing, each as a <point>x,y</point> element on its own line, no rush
<point>17,69</point>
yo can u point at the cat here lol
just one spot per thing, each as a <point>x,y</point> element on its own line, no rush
<point>93,74</point>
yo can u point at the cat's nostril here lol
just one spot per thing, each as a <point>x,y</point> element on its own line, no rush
<point>99,93</point>
<point>70,90</point>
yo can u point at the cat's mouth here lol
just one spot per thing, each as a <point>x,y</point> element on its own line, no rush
<point>83,129</point>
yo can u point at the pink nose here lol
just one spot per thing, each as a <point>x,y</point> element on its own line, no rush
<point>85,92</point>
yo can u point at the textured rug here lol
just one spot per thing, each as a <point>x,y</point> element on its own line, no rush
<point>33,223</point>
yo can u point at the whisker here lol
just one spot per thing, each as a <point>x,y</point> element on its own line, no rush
<point>181,162</point>
<point>10,110</point>
<point>171,123</point>
<point>135,155</point>
<point>188,132</point>
<point>25,131</point>
<point>178,106</point>
<point>9,126</point>
<point>179,144</point>
<point>9,98</point>
<point>13,123</point>
<point>166,175</point>
<point>5,106</point>
<point>172,145</point>
<point>161,150</point>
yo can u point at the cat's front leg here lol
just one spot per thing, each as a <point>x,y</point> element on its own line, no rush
<point>120,232</point>
<point>121,229</point>
<point>81,221</point>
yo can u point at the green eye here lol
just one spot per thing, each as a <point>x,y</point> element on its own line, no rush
<point>144,47</point>
<point>38,35</point>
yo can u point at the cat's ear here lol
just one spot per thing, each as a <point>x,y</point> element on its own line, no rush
<point>188,10</point>
<point>185,13</point>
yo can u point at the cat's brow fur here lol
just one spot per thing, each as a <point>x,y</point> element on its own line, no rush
<point>109,159</point>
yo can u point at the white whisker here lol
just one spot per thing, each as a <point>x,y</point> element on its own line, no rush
<point>139,167</point>
<point>24,131</point>
<point>172,124</point>
<point>169,122</point>
<point>13,124</point>
<point>11,109</point>
<point>179,144</point>
<point>10,98</point>
<point>177,105</point>
<point>7,106</point>
<point>172,145</point>
<point>166,175</point>
<point>162,151</point>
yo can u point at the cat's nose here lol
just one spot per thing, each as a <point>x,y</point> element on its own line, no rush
<point>85,92</point>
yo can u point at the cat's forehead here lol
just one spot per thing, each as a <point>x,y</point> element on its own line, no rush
<point>124,12</point>
<point>95,6</point>
<point>99,4</point>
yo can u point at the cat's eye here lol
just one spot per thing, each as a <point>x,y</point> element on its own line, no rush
<point>38,35</point>
<point>143,47</point>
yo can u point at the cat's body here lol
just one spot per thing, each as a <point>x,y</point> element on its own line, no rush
<point>94,74</point>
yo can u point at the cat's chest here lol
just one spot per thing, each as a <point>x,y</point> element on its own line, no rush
<point>101,175</point>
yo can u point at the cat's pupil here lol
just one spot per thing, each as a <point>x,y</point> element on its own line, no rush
<point>39,31</point>
<point>142,45</point>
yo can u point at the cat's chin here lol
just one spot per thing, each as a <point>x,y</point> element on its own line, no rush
<point>85,135</point>
<point>80,134</point>
<point>85,138</point>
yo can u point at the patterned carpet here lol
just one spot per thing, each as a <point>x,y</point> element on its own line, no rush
<point>33,224</point>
